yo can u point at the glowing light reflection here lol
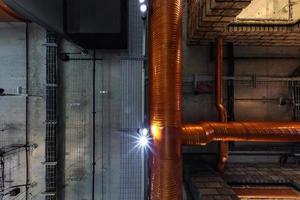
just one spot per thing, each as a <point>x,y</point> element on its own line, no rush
<point>142,141</point>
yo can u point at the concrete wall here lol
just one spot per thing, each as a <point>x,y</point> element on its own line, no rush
<point>13,110</point>
<point>118,172</point>
<point>271,9</point>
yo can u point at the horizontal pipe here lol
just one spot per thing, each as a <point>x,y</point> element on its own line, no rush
<point>206,132</point>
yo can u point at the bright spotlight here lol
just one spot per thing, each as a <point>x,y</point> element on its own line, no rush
<point>143,141</point>
<point>143,8</point>
<point>142,1</point>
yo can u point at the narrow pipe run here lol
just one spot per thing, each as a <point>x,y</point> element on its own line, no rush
<point>94,124</point>
<point>223,146</point>
<point>27,113</point>
<point>219,81</point>
<point>206,132</point>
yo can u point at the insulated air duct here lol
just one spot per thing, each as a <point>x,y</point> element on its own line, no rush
<point>206,132</point>
<point>165,38</point>
<point>165,43</point>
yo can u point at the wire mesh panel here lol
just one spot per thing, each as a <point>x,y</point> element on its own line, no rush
<point>132,118</point>
<point>132,88</point>
<point>77,102</point>
<point>12,109</point>
<point>135,27</point>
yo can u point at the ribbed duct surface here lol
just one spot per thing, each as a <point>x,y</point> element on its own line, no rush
<point>165,97</point>
<point>206,132</point>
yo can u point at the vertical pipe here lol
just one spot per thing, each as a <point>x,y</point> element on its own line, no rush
<point>94,125</point>
<point>219,81</point>
<point>223,146</point>
<point>2,186</point>
<point>27,114</point>
<point>165,44</point>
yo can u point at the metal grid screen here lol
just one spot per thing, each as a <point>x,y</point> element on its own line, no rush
<point>51,116</point>
<point>131,186</point>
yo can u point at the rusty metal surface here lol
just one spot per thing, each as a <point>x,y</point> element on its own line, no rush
<point>206,132</point>
<point>165,44</point>
<point>8,15</point>
<point>266,193</point>
<point>223,146</point>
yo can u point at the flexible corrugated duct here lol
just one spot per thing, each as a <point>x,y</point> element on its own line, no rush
<point>165,43</point>
<point>206,132</point>
<point>165,39</point>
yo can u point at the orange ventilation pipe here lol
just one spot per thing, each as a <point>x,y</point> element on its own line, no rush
<point>165,43</point>
<point>165,73</point>
<point>223,146</point>
<point>206,132</point>
<point>8,15</point>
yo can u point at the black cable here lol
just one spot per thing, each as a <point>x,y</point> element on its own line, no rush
<point>2,172</point>
<point>27,115</point>
<point>94,120</point>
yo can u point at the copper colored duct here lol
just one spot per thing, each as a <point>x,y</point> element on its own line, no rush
<point>219,81</point>
<point>223,146</point>
<point>8,15</point>
<point>165,43</point>
<point>206,132</point>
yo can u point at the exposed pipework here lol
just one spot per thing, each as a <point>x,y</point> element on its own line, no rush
<point>8,15</point>
<point>165,43</point>
<point>206,132</point>
<point>223,146</point>
<point>219,82</point>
